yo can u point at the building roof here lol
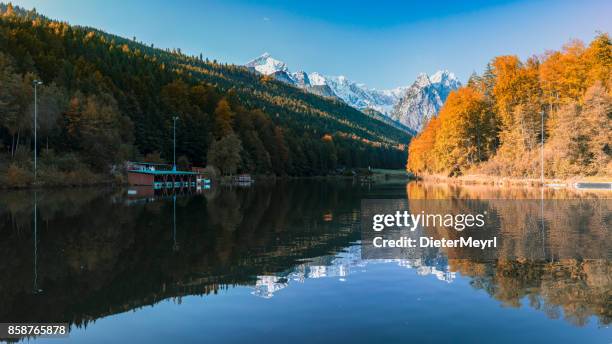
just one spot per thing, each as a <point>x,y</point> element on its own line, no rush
<point>169,172</point>
<point>149,163</point>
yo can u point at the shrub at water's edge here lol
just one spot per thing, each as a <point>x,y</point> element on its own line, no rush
<point>53,170</point>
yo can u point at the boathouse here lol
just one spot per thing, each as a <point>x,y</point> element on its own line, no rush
<point>160,176</point>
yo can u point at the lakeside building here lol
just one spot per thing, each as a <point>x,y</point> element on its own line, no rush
<point>160,176</point>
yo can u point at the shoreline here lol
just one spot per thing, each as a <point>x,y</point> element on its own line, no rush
<point>482,179</point>
<point>44,186</point>
<point>471,179</point>
<point>223,180</point>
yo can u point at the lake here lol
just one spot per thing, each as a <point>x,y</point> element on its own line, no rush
<point>282,262</point>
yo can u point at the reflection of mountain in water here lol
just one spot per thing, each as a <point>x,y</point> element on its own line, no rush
<point>344,264</point>
<point>96,256</point>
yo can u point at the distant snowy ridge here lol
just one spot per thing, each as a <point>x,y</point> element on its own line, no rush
<point>411,105</point>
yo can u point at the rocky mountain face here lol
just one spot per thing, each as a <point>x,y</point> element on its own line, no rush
<point>411,105</point>
<point>424,98</point>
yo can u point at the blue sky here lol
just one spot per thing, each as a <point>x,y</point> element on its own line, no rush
<point>381,43</point>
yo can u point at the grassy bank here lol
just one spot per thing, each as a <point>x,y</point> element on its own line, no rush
<point>53,170</point>
<point>349,174</point>
<point>16,177</point>
<point>484,179</point>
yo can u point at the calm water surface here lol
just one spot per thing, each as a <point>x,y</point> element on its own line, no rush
<point>282,263</point>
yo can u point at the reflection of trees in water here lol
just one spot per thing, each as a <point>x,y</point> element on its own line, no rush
<point>97,256</point>
<point>224,211</point>
<point>572,226</point>
<point>575,289</point>
<point>527,229</point>
<point>16,207</point>
<point>431,190</point>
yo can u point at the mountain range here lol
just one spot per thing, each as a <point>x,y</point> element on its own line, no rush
<point>410,106</point>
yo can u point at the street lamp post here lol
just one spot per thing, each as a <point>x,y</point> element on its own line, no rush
<point>174,142</point>
<point>36,84</point>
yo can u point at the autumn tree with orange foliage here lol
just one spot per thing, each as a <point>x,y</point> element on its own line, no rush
<point>493,125</point>
<point>420,156</point>
<point>461,136</point>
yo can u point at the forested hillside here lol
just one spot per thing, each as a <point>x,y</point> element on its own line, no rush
<point>106,99</point>
<point>494,124</point>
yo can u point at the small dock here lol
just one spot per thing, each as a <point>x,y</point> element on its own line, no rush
<point>242,180</point>
<point>165,176</point>
<point>593,186</point>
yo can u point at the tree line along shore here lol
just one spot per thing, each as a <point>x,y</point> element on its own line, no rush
<point>103,99</point>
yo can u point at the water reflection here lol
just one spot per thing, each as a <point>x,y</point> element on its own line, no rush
<point>35,216</point>
<point>344,264</point>
<point>83,254</point>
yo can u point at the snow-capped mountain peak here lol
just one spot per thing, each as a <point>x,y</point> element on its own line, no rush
<point>266,64</point>
<point>411,105</point>
<point>424,98</point>
<point>317,79</point>
<point>422,80</point>
<point>301,78</point>
<point>443,76</point>
<point>446,82</point>
<point>342,79</point>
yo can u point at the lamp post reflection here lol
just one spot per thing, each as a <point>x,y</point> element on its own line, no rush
<point>36,289</point>
<point>175,245</point>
